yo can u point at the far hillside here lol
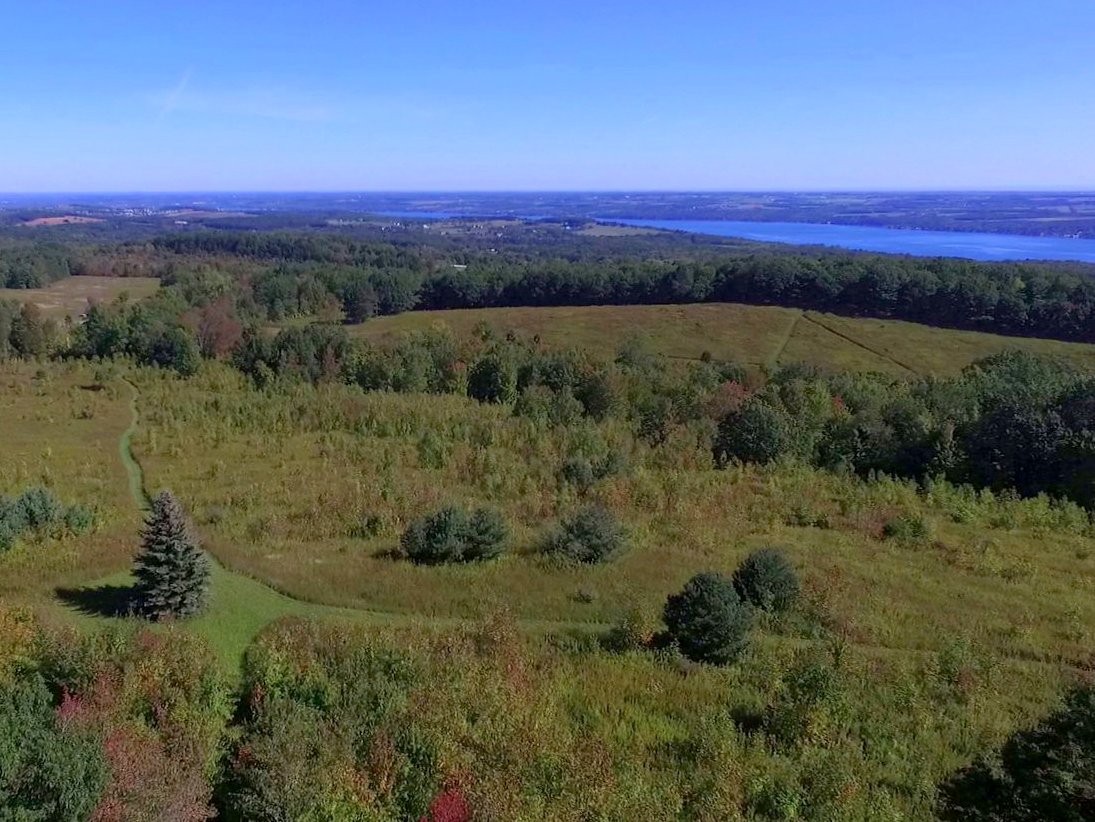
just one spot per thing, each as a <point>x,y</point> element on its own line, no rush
<point>754,335</point>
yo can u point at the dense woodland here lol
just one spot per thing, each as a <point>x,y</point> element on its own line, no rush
<point>1035,300</point>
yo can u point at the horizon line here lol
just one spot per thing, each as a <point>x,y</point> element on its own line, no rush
<point>526,191</point>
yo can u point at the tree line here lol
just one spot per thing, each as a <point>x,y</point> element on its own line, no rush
<point>366,279</point>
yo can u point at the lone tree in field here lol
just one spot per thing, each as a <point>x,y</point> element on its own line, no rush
<point>767,580</point>
<point>172,571</point>
<point>708,620</point>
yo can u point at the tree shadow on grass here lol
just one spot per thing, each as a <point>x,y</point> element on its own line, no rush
<point>1041,774</point>
<point>103,601</point>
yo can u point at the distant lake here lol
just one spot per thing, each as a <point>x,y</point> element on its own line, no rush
<point>970,245</point>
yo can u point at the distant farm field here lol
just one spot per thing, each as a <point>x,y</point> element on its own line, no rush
<point>70,297</point>
<point>756,335</point>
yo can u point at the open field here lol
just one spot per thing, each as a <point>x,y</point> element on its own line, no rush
<point>755,335</point>
<point>59,431</point>
<point>942,648</point>
<point>66,219</point>
<point>70,297</point>
<point>280,485</point>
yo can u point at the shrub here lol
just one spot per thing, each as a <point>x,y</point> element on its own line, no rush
<point>487,535</point>
<point>1042,773</point>
<point>78,520</point>
<point>534,403</point>
<point>708,620</point>
<point>803,709</point>
<point>39,508</point>
<point>8,535</point>
<point>454,535</point>
<point>614,463</point>
<point>597,395</point>
<point>591,535</point>
<point>756,433</point>
<point>175,348</point>
<point>578,471</point>
<point>172,571</point>
<point>767,580</point>
<point>910,529</point>
<point>45,772</point>
<point>634,632</point>
<point>493,379</point>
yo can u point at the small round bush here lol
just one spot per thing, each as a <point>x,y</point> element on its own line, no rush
<point>493,379</point>
<point>910,529</point>
<point>78,519</point>
<point>708,620</point>
<point>756,433</point>
<point>579,472</point>
<point>454,535</point>
<point>40,508</point>
<point>591,535</point>
<point>767,580</point>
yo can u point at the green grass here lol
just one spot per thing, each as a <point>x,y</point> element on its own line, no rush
<point>70,297</point>
<point>945,646</point>
<point>278,483</point>
<point>60,431</point>
<point>757,335</point>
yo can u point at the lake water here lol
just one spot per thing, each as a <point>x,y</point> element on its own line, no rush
<point>970,245</point>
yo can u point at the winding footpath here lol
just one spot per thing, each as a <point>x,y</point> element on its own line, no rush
<point>242,600</point>
<point>242,605</point>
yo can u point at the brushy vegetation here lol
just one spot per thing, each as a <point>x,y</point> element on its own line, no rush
<point>1042,773</point>
<point>767,580</point>
<point>455,535</point>
<point>931,592</point>
<point>118,725</point>
<point>391,724</point>
<point>591,535</point>
<point>708,620</point>
<point>38,512</point>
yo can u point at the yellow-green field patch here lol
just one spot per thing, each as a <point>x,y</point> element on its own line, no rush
<point>71,296</point>
<point>757,335</point>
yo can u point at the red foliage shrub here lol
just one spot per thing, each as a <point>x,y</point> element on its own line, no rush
<point>728,398</point>
<point>448,806</point>
<point>216,326</point>
<point>145,783</point>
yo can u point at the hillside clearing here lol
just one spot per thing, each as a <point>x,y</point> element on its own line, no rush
<point>71,296</point>
<point>753,335</point>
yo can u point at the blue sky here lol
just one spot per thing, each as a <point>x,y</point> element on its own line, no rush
<point>736,94</point>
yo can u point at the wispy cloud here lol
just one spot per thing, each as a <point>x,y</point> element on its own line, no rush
<point>170,100</point>
<point>266,102</point>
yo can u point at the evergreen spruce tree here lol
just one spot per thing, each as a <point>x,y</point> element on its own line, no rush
<point>172,570</point>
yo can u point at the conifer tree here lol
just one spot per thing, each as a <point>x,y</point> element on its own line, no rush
<point>172,570</point>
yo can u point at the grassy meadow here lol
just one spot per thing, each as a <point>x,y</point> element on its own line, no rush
<point>71,296</point>
<point>941,647</point>
<point>61,429</point>
<point>904,661</point>
<point>753,335</point>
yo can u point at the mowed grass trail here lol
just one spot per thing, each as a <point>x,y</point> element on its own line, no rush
<point>61,430</point>
<point>280,483</point>
<point>753,335</point>
<point>240,606</point>
<point>70,297</point>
